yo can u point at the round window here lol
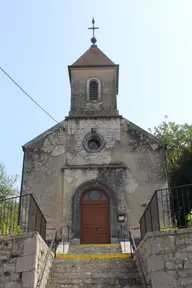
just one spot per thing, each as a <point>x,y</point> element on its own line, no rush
<point>93,142</point>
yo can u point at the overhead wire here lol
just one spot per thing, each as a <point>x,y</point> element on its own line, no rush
<point>28,95</point>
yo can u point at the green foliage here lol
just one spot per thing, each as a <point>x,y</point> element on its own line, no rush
<point>178,138</point>
<point>9,209</point>
<point>9,212</point>
<point>189,219</point>
<point>164,228</point>
<point>7,183</point>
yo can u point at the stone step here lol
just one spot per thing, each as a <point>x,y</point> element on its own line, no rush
<point>107,272</point>
<point>84,285</point>
<point>94,249</point>
<point>93,256</point>
<point>98,281</point>
<point>67,265</point>
<point>93,273</point>
<point>88,269</point>
<point>93,261</point>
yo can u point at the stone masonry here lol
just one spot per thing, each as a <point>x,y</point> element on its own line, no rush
<point>166,258</point>
<point>96,273</point>
<point>21,260</point>
<point>56,165</point>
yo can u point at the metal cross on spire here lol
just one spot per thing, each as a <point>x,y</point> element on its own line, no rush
<point>93,39</point>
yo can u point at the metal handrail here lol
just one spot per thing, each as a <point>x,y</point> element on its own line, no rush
<point>22,195</point>
<point>132,242</point>
<point>167,208</point>
<point>163,189</point>
<point>132,239</point>
<point>46,260</point>
<point>21,214</point>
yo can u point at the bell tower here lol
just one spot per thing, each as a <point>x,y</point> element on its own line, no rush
<point>94,83</point>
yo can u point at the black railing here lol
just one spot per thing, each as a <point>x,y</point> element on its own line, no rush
<point>136,257</point>
<point>168,209</point>
<point>53,247</point>
<point>21,214</point>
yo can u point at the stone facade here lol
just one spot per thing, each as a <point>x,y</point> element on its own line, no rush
<point>166,258</point>
<point>130,164</point>
<point>131,167</point>
<point>108,104</point>
<point>21,260</point>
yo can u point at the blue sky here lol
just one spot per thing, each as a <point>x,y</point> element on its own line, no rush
<point>150,39</point>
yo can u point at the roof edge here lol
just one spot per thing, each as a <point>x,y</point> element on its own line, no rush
<point>148,134</point>
<point>45,133</point>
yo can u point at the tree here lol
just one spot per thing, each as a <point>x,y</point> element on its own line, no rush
<point>9,207</point>
<point>7,182</point>
<point>178,138</point>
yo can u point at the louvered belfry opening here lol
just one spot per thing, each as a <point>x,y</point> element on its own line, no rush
<point>93,90</point>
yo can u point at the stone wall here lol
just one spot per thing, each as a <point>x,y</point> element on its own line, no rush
<point>78,129</point>
<point>107,106</point>
<point>131,166</point>
<point>166,258</point>
<point>21,260</point>
<point>42,176</point>
<point>77,181</point>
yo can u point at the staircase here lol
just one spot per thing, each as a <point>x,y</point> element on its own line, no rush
<point>94,266</point>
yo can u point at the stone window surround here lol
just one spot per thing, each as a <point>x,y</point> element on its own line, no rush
<point>92,136</point>
<point>88,90</point>
<point>93,184</point>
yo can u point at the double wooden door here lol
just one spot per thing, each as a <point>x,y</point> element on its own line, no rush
<point>95,218</point>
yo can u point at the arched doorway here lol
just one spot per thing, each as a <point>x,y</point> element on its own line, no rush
<point>95,217</point>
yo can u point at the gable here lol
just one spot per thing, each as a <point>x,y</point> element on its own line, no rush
<point>141,135</point>
<point>37,142</point>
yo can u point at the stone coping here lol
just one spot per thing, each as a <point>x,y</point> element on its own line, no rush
<point>22,236</point>
<point>92,117</point>
<point>19,236</point>
<point>94,166</point>
<point>171,232</point>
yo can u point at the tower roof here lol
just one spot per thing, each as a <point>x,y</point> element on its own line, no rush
<point>93,56</point>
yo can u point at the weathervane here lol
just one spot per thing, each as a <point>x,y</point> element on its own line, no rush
<point>93,39</point>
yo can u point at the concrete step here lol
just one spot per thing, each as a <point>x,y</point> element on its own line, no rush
<point>84,285</point>
<point>99,281</point>
<point>93,274</point>
<point>93,256</point>
<point>107,272</point>
<point>67,265</point>
<point>95,249</point>
<point>86,269</point>
<point>78,261</point>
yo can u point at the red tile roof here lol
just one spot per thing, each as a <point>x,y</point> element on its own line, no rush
<point>93,56</point>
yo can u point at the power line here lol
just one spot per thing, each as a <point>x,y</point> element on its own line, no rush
<point>27,94</point>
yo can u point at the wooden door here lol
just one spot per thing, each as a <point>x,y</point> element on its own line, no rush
<point>95,218</point>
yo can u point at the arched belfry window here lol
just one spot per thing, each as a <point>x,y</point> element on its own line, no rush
<point>93,89</point>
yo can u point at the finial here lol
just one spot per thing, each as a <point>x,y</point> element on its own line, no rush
<point>93,39</point>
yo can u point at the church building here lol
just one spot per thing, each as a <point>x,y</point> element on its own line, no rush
<point>94,172</point>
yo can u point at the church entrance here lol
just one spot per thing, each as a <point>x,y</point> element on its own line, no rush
<point>95,217</point>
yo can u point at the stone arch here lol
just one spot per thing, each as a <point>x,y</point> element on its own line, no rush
<point>89,82</point>
<point>93,184</point>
